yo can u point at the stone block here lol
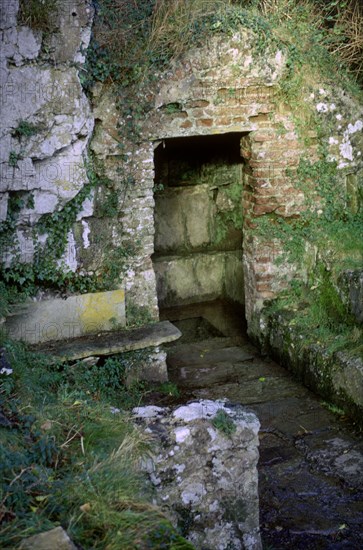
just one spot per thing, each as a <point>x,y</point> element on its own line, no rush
<point>206,479</point>
<point>183,219</point>
<point>59,319</point>
<point>183,280</point>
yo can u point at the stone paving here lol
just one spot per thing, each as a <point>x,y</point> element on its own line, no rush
<point>311,462</point>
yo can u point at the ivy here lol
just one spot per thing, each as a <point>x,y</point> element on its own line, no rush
<point>47,269</point>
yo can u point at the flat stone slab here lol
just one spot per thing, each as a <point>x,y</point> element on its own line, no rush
<point>111,343</point>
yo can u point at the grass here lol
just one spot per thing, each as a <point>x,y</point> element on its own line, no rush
<point>319,314</point>
<point>39,15</point>
<point>70,455</point>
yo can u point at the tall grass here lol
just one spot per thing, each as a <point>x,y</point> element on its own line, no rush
<point>68,457</point>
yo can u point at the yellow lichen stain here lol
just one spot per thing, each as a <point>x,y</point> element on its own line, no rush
<point>99,308</point>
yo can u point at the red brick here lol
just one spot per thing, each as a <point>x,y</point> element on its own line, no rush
<point>261,137</point>
<point>263,287</point>
<point>268,295</point>
<point>186,124</point>
<point>223,121</point>
<point>197,103</point>
<point>261,117</point>
<point>239,120</point>
<point>259,210</point>
<point>270,173</point>
<point>264,277</point>
<point>206,122</point>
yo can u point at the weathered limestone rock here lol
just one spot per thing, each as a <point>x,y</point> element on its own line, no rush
<point>46,119</point>
<point>59,319</point>
<point>55,539</point>
<point>206,481</point>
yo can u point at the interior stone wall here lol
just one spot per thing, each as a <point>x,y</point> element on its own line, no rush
<point>198,220</point>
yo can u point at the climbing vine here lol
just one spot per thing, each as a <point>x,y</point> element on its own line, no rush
<point>50,238</point>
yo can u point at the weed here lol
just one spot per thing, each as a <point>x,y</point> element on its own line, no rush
<point>14,158</point>
<point>25,129</point>
<point>169,388</point>
<point>38,14</point>
<point>333,408</point>
<point>224,423</point>
<point>137,316</point>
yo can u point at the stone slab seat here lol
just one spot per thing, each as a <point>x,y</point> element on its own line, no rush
<point>110,343</point>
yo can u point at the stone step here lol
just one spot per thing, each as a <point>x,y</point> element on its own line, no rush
<point>203,355</point>
<point>215,373</point>
<point>111,343</point>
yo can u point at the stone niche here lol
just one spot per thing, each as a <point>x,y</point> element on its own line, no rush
<point>198,219</point>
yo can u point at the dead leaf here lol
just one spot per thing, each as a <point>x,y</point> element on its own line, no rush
<point>85,507</point>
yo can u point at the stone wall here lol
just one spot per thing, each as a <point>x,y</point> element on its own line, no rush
<point>42,163</point>
<point>204,95</point>
<point>46,128</point>
<point>222,89</point>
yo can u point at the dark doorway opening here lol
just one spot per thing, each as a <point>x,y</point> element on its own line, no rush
<point>198,220</point>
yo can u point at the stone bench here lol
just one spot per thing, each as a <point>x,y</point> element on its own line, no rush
<point>118,341</point>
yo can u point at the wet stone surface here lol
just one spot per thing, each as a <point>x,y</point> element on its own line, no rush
<point>311,461</point>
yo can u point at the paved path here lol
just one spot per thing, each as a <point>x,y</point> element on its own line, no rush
<point>311,463</point>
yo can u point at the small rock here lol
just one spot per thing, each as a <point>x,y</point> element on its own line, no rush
<point>55,539</point>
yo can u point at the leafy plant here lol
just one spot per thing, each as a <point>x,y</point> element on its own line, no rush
<point>14,158</point>
<point>25,129</point>
<point>67,457</point>
<point>224,423</point>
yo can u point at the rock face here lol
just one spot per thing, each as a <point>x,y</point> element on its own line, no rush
<point>46,120</point>
<point>206,479</point>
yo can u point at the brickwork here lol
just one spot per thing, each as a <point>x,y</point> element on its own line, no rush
<point>203,98</point>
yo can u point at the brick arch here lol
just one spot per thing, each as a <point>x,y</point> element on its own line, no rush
<point>202,97</point>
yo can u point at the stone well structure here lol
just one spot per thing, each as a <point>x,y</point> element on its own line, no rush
<point>213,158</point>
<point>215,152</point>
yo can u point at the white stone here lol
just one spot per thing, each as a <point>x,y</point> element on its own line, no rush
<point>8,13</point>
<point>353,128</point>
<point>322,107</point>
<point>202,409</point>
<point>193,494</point>
<point>346,150</point>
<point>333,141</point>
<point>28,43</point>
<point>150,411</point>
<point>181,434</point>
<point>85,233</point>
